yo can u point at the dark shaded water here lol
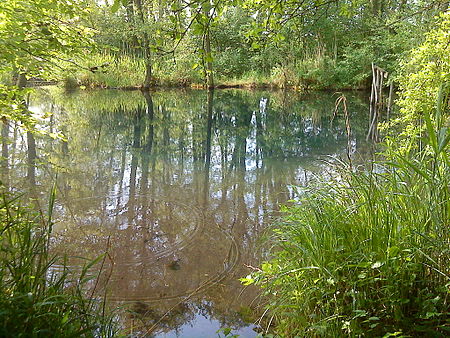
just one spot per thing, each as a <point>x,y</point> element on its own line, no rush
<point>178,186</point>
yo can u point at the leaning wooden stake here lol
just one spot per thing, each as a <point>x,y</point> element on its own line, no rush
<point>389,106</point>
<point>376,102</point>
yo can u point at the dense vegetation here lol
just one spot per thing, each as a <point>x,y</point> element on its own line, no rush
<point>365,254</point>
<point>301,44</point>
<point>368,252</point>
<point>39,297</point>
<point>128,43</point>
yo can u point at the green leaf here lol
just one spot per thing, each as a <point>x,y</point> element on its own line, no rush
<point>116,5</point>
<point>208,58</point>
<point>65,318</point>
<point>444,139</point>
<point>255,45</point>
<point>247,280</point>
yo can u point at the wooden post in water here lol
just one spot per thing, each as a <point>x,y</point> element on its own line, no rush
<point>389,105</point>
<point>376,102</point>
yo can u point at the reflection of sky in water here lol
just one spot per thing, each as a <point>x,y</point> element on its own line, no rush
<point>177,227</point>
<point>203,327</point>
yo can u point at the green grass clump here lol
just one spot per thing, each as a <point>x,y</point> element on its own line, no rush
<point>36,298</point>
<point>368,253</point>
<point>108,71</point>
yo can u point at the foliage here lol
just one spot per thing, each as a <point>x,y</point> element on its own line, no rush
<point>425,71</point>
<point>36,36</point>
<point>367,254</point>
<point>38,295</point>
<point>311,44</point>
<point>308,44</point>
<point>9,107</point>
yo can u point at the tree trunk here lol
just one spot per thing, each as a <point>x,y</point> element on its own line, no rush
<point>145,47</point>
<point>21,81</point>
<point>376,6</point>
<point>209,65</point>
<point>5,154</point>
<point>148,72</point>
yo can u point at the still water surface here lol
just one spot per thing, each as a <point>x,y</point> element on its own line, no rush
<point>178,187</point>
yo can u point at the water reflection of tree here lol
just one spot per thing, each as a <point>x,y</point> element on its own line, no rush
<point>148,319</point>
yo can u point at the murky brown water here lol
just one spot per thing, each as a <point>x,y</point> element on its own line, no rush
<point>178,187</point>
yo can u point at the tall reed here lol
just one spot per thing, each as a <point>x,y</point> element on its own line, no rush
<point>368,252</point>
<point>107,71</point>
<point>37,299</point>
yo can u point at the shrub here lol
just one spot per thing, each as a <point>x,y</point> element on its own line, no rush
<point>424,71</point>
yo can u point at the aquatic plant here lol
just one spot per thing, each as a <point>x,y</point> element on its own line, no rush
<point>39,297</point>
<point>367,252</point>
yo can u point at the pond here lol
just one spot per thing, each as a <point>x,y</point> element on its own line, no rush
<point>178,187</point>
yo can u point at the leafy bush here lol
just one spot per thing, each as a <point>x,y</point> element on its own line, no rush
<point>183,72</point>
<point>426,69</point>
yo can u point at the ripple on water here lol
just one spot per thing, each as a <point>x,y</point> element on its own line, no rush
<point>169,252</point>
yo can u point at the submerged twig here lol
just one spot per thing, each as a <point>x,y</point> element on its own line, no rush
<point>342,100</point>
